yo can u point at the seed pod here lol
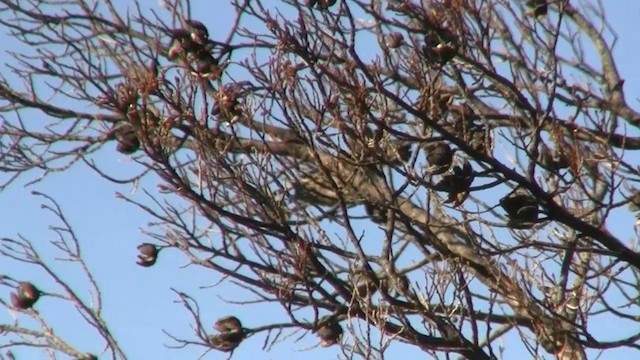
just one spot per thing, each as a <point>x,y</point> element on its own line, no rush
<point>330,334</point>
<point>521,208</point>
<point>148,254</point>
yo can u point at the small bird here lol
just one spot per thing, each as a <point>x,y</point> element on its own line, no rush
<point>457,183</point>
<point>439,156</point>
<point>321,4</point>
<point>439,46</point>
<point>148,254</point>
<point>128,141</point>
<point>521,208</point>
<point>198,32</point>
<point>26,296</point>
<point>540,7</point>
<point>330,334</point>
<point>230,334</point>
<point>228,324</point>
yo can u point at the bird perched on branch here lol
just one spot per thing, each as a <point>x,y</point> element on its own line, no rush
<point>457,183</point>
<point>521,208</point>
<point>440,157</point>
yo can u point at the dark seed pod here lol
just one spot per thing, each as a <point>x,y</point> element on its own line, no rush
<point>330,334</point>
<point>148,254</point>
<point>439,156</point>
<point>27,295</point>
<point>521,208</point>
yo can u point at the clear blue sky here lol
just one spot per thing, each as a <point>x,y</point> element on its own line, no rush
<point>137,301</point>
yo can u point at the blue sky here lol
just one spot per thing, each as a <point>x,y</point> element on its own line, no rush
<point>138,302</point>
